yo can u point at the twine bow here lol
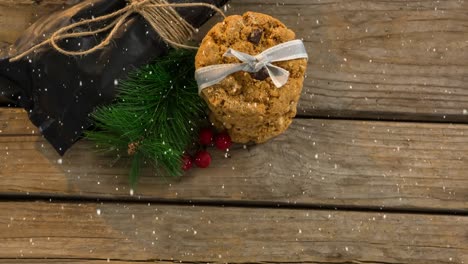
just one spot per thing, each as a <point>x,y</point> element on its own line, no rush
<point>211,75</point>
<point>160,14</point>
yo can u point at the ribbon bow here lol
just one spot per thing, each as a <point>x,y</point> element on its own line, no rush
<point>291,50</point>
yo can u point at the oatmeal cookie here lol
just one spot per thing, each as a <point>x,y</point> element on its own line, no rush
<point>248,105</point>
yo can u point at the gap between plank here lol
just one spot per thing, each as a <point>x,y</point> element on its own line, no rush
<point>194,262</point>
<point>385,120</point>
<point>399,118</point>
<point>231,203</point>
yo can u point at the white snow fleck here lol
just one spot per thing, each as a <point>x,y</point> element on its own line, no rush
<point>98,211</point>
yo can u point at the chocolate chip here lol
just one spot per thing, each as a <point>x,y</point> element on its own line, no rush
<point>261,75</point>
<point>255,36</point>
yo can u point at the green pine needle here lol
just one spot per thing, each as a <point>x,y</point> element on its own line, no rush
<point>157,110</point>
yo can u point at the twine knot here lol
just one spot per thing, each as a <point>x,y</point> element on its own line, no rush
<point>137,6</point>
<point>159,14</point>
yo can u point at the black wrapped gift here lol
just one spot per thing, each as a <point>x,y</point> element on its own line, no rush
<point>60,91</point>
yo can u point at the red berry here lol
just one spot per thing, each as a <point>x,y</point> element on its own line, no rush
<point>223,141</point>
<point>203,159</point>
<point>187,162</point>
<point>206,136</point>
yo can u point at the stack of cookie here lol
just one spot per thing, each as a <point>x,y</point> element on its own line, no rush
<point>248,105</point>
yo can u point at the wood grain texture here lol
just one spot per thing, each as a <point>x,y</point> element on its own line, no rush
<point>377,59</point>
<point>15,121</point>
<point>17,15</point>
<point>131,232</point>
<point>79,261</point>
<point>331,162</point>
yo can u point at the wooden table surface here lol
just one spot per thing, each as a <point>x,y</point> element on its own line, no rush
<point>373,170</point>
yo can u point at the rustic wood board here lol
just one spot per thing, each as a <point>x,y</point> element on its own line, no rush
<point>17,15</point>
<point>394,60</point>
<point>15,121</point>
<point>380,59</point>
<point>80,261</point>
<point>372,59</point>
<point>142,232</point>
<point>319,162</point>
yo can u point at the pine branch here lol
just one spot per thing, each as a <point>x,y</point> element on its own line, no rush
<point>154,116</point>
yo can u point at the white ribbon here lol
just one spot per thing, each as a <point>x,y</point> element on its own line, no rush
<point>291,50</point>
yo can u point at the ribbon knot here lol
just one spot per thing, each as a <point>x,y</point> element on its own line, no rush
<point>211,75</point>
<point>258,65</point>
<point>253,63</point>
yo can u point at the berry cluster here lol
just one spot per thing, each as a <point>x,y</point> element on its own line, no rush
<point>206,138</point>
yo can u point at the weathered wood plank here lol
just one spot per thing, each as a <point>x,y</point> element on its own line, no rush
<point>331,162</point>
<point>17,15</point>
<point>15,121</point>
<point>380,59</point>
<point>368,58</point>
<point>80,261</point>
<point>131,232</point>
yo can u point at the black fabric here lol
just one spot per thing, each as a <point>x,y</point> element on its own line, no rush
<point>59,92</point>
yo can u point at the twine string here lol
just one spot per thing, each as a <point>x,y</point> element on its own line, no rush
<point>160,15</point>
